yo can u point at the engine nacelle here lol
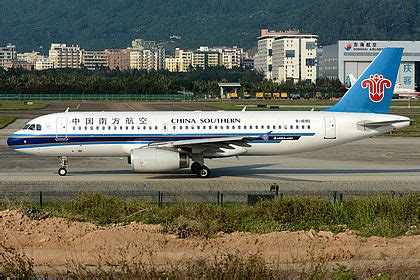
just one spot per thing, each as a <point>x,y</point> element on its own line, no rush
<point>156,160</point>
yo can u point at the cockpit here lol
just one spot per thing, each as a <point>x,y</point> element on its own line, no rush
<point>37,127</point>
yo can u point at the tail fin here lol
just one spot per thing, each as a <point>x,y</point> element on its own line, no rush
<point>372,92</point>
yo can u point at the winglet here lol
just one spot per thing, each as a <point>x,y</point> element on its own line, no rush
<point>67,110</point>
<point>244,109</point>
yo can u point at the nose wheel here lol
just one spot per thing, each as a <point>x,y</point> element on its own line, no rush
<point>62,171</point>
<point>202,171</point>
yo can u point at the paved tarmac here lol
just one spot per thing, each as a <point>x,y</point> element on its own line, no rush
<point>380,164</point>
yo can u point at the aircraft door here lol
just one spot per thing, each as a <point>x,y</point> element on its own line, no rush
<point>61,127</point>
<point>330,128</point>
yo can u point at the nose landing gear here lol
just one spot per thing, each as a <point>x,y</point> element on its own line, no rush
<point>62,171</point>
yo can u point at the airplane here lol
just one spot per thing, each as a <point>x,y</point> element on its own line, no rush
<point>398,90</point>
<point>168,141</point>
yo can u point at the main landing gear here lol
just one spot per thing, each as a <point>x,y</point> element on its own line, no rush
<point>202,171</point>
<point>62,171</point>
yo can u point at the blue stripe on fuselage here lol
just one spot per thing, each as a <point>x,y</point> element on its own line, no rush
<point>18,141</point>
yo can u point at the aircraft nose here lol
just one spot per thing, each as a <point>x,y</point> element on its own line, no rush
<point>12,141</point>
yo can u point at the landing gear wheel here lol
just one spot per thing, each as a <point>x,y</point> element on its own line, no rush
<point>204,172</point>
<point>62,171</point>
<point>195,167</point>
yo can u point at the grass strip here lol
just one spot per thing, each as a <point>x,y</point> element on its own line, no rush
<point>6,120</point>
<point>369,216</point>
<point>12,106</point>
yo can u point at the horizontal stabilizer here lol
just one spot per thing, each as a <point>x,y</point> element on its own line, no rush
<point>370,124</point>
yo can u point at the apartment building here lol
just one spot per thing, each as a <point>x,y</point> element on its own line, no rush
<point>7,54</point>
<point>44,64</point>
<point>30,56</point>
<point>118,59</point>
<point>146,55</point>
<point>94,59</point>
<point>64,56</point>
<point>180,62</point>
<point>287,55</point>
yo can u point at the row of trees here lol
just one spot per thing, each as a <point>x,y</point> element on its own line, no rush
<point>201,82</point>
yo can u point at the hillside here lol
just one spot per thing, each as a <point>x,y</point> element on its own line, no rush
<point>97,24</point>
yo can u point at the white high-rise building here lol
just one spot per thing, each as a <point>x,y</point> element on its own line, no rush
<point>181,61</point>
<point>147,55</point>
<point>7,54</point>
<point>64,56</point>
<point>287,55</point>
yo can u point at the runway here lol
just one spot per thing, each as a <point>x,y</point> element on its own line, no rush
<point>372,165</point>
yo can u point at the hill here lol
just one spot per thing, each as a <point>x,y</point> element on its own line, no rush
<point>98,24</point>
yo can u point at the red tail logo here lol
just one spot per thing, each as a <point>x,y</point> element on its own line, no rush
<point>376,84</point>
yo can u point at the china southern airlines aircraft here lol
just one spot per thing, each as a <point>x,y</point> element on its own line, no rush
<point>164,141</point>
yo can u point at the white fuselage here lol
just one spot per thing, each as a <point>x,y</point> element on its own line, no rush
<point>80,134</point>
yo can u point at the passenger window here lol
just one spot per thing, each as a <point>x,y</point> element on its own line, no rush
<point>244,126</point>
<point>233,127</point>
<point>180,127</point>
<point>268,127</point>
<point>150,128</point>
<point>204,127</point>
<point>126,128</point>
<point>209,126</point>
<point>38,127</point>
<point>103,128</point>
<point>186,127</point>
<point>250,127</point>
<point>85,127</point>
<point>74,128</point>
<point>132,128</point>
<point>144,127</point>
<point>262,127</point>
<point>198,127</point>
<point>256,127</point>
<point>97,128</point>
<point>227,127</point>
<point>174,127</point>
<point>215,127</point>
<point>109,127</point>
<point>80,128</point>
<point>274,127</point>
<point>156,127</point>
<point>138,127</point>
<point>91,128</point>
<point>239,127</point>
<point>309,127</point>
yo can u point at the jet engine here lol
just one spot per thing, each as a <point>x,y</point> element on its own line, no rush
<point>156,160</point>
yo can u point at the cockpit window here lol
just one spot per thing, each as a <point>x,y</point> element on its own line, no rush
<point>32,127</point>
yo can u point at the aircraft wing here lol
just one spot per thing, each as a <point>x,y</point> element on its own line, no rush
<point>212,143</point>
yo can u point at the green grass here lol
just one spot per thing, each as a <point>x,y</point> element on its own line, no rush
<point>10,106</point>
<point>378,215</point>
<point>6,120</point>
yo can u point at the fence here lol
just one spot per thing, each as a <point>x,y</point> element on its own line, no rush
<point>199,196</point>
<point>97,97</point>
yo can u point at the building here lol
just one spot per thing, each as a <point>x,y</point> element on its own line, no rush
<point>147,55</point>
<point>353,56</point>
<point>7,54</point>
<point>44,64</point>
<point>248,63</point>
<point>230,57</point>
<point>94,59</point>
<point>118,59</point>
<point>64,56</point>
<point>30,56</point>
<point>30,66</point>
<point>181,62</point>
<point>287,55</point>
<point>205,57</point>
